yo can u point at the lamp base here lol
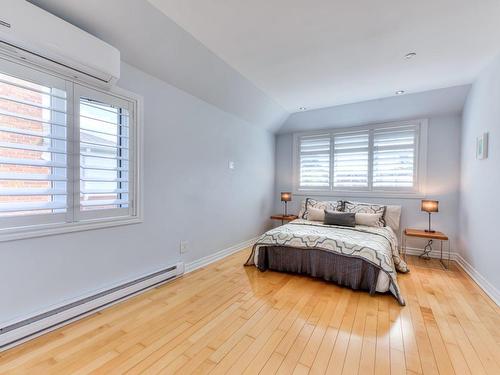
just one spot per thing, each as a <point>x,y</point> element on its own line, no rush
<point>285,211</point>
<point>430,230</point>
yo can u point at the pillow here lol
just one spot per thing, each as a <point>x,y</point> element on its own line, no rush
<point>324,205</point>
<point>392,217</point>
<point>370,220</point>
<point>366,208</point>
<point>315,214</point>
<point>345,219</point>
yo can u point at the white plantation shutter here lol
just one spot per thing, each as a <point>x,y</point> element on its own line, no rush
<point>33,147</point>
<point>350,160</point>
<point>314,161</point>
<point>375,160</point>
<point>104,144</point>
<point>68,154</point>
<point>394,158</point>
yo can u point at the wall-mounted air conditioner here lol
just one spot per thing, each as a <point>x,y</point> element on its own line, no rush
<point>31,34</point>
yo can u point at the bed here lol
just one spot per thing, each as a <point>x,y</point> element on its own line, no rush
<point>361,257</point>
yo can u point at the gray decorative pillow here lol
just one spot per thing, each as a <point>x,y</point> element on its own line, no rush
<point>366,208</point>
<point>324,205</point>
<point>345,219</point>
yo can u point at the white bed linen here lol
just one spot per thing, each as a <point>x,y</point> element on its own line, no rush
<point>377,245</point>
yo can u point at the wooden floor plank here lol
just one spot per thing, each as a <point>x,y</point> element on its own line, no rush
<point>382,352</point>
<point>336,363</point>
<point>230,319</point>
<point>369,341</point>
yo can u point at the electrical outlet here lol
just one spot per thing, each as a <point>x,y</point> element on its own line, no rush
<point>183,247</point>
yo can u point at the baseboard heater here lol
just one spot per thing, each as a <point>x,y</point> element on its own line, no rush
<point>17,332</point>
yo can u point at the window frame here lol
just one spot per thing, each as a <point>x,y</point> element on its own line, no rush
<point>47,224</point>
<point>420,172</point>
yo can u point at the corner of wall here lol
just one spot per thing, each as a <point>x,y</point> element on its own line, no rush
<point>479,179</point>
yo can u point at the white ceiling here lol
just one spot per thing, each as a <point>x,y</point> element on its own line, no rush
<point>314,54</point>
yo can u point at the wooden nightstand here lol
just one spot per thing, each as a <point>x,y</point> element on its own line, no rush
<point>284,218</point>
<point>430,236</point>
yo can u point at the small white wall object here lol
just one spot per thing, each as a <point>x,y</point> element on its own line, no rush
<point>482,146</point>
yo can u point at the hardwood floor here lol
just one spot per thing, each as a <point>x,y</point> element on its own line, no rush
<point>227,318</point>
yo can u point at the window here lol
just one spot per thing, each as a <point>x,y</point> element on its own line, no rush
<point>350,155</point>
<point>67,154</point>
<point>104,151</point>
<point>315,161</point>
<point>394,152</point>
<point>373,160</point>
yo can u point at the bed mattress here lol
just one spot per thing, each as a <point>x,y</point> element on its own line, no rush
<point>373,246</point>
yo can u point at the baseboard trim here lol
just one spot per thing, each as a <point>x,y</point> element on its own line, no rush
<point>436,254</point>
<point>479,279</point>
<point>205,261</point>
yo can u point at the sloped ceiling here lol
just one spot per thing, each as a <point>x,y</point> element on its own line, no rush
<point>152,42</point>
<point>321,53</point>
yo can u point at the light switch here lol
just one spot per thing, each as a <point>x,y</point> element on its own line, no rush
<point>184,246</point>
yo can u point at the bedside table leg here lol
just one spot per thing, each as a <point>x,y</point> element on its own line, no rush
<point>441,258</point>
<point>403,249</point>
<point>449,252</point>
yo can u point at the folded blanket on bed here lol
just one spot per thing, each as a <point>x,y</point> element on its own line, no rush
<point>375,245</point>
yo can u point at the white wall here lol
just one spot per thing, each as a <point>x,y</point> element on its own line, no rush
<point>479,200</point>
<point>189,194</point>
<point>443,171</point>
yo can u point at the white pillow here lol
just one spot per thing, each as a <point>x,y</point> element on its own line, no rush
<point>370,220</point>
<point>392,217</point>
<point>315,214</point>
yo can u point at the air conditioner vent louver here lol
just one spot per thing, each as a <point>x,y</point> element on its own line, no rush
<point>45,40</point>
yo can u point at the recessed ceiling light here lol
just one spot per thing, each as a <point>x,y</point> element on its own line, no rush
<point>410,55</point>
<point>400,92</point>
<point>302,108</point>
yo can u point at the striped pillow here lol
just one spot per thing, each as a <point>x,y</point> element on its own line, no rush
<point>324,205</point>
<point>366,208</point>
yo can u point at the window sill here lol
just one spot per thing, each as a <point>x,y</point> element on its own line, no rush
<point>360,194</point>
<point>61,228</point>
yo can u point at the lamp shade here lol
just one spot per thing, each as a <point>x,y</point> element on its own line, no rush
<point>286,196</point>
<point>429,206</point>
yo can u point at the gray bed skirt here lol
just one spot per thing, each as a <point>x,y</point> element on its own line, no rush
<point>354,273</point>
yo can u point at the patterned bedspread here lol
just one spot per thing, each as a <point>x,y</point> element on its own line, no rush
<point>377,246</point>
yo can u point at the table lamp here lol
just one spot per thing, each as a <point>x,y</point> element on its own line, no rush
<point>286,197</point>
<point>429,206</point>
